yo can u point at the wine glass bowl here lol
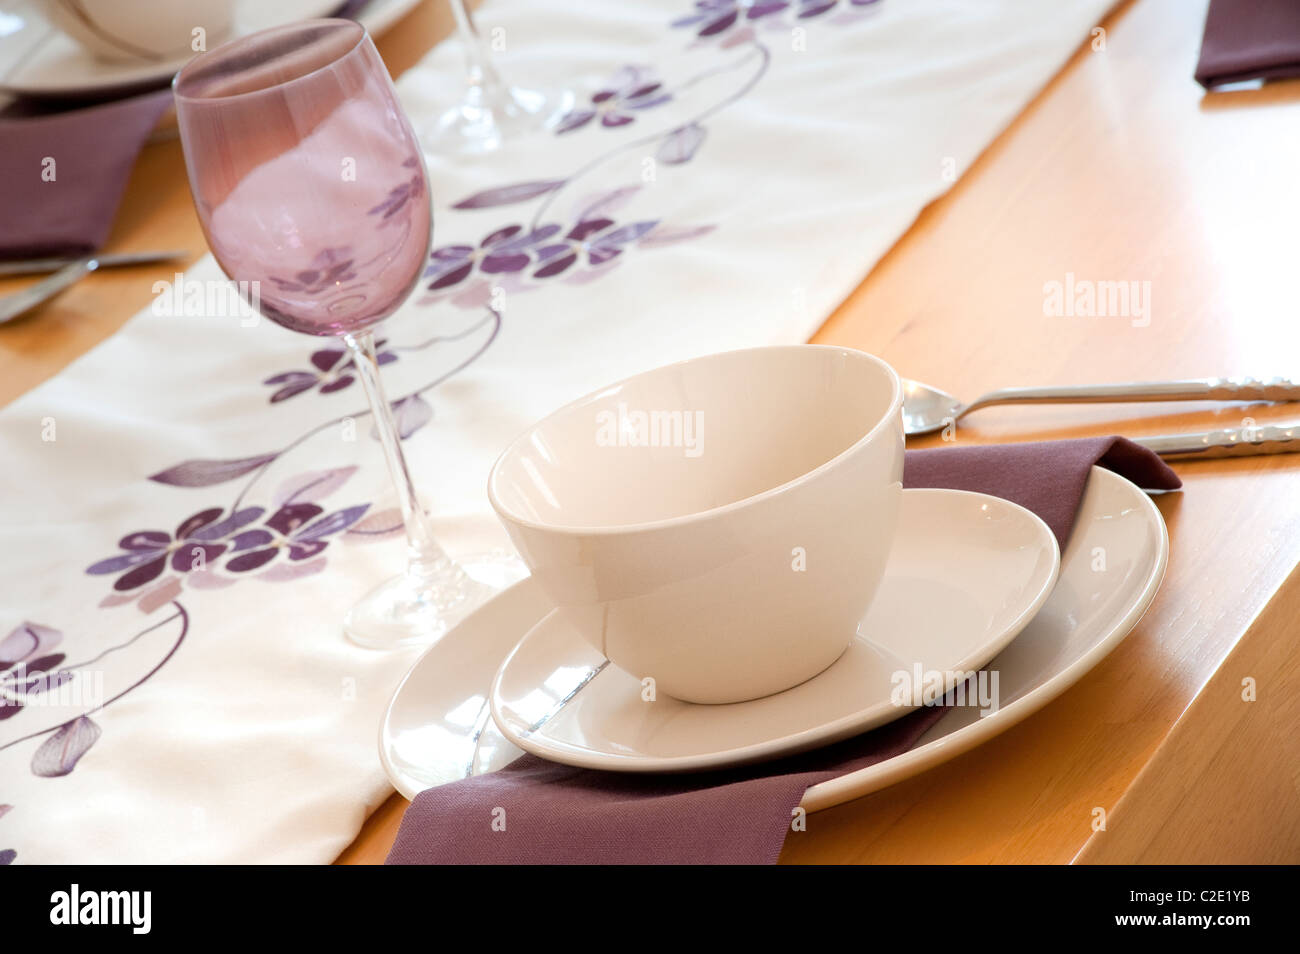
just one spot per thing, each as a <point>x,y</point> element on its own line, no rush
<point>319,199</point>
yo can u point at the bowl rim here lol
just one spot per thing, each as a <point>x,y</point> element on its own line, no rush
<point>508,516</point>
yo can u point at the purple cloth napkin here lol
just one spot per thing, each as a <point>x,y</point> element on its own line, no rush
<point>62,173</point>
<point>1249,39</point>
<point>557,814</point>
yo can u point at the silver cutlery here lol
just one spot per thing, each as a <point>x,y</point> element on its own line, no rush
<point>476,736</point>
<point>11,306</point>
<point>927,409</point>
<point>1245,441</point>
<point>36,266</point>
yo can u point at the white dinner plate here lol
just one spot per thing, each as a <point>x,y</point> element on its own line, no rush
<point>966,572</point>
<point>438,728</point>
<point>37,59</point>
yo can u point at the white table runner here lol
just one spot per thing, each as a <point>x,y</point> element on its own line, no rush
<point>210,710</point>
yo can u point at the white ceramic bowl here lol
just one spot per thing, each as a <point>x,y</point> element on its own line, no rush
<point>138,31</point>
<point>727,543</point>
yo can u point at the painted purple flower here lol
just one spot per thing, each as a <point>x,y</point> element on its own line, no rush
<point>401,194</point>
<point>297,528</point>
<point>631,89</point>
<point>8,855</point>
<point>505,251</point>
<point>712,17</point>
<point>27,665</point>
<point>333,372</point>
<point>330,268</point>
<point>27,641</point>
<point>196,543</point>
<point>813,8</point>
<point>597,238</point>
<point>717,16</point>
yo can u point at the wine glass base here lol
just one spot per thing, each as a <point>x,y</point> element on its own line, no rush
<point>411,610</point>
<point>483,122</point>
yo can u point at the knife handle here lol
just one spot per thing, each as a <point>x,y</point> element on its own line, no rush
<point>1243,441</point>
<point>19,303</point>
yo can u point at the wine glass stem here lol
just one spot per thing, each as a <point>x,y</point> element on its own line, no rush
<point>481,72</point>
<point>427,559</point>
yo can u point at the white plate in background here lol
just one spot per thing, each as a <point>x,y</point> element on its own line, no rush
<point>38,60</point>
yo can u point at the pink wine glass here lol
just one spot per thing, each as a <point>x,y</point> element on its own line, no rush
<point>310,186</point>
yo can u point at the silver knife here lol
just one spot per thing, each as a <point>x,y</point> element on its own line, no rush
<point>34,266</point>
<point>1245,441</point>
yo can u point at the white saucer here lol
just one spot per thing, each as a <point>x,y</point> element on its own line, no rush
<point>437,728</point>
<point>965,574</point>
<point>39,60</point>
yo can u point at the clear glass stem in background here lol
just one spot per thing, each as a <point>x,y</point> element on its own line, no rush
<point>428,561</point>
<point>477,56</point>
<point>492,111</point>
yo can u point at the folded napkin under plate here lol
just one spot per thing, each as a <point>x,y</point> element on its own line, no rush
<point>556,813</point>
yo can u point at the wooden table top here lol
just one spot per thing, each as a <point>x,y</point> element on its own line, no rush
<point>1121,169</point>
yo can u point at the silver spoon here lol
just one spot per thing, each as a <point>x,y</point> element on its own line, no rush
<point>927,409</point>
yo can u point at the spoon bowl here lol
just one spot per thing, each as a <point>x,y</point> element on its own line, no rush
<point>927,409</point>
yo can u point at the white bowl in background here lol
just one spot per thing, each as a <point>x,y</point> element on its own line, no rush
<point>141,31</point>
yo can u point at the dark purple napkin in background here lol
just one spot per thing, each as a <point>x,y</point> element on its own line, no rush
<point>1249,39</point>
<point>93,148</point>
<point>557,814</point>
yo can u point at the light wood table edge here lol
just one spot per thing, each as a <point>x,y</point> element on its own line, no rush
<point>1223,787</point>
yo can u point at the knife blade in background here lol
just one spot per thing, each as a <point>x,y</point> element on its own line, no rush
<point>35,266</point>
